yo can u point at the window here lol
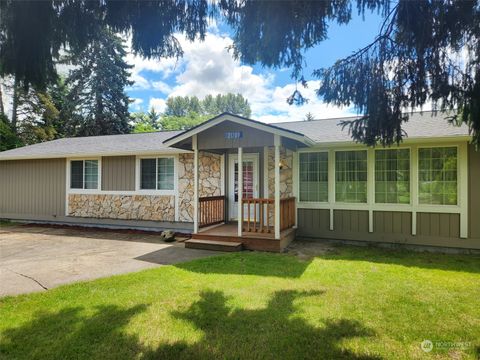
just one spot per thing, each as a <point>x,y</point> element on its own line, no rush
<point>156,174</point>
<point>314,176</point>
<point>392,176</point>
<point>248,180</point>
<point>437,176</point>
<point>351,176</point>
<point>84,174</point>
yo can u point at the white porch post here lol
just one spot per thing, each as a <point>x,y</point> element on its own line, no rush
<point>277,186</point>
<point>240,191</point>
<point>195,183</point>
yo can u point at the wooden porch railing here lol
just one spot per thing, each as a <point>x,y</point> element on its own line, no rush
<point>287,213</point>
<point>211,210</point>
<point>258,214</point>
<point>261,210</point>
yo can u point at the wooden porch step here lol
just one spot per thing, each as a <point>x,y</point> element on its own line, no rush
<point>213,245</point>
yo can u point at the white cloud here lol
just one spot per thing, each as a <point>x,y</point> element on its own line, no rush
<point>158,104</point>
<point>164,66</point>
<point>161,86</point>
<point>276,109</point>
<point>209,68</point>
<point>139,82</point>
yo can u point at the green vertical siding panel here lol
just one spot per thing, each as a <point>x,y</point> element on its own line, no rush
<point>378,223</point>
<point>434,224</point>
<point>474,192</point>
<point>32,188</point>
<point>388,221</point>
<point>354,221</point>
<point>423,223</point>
<point>406,223</point>
<point>444,225</point>
<point>454,225</point>
<point>118,173</point>
<point>396,222</point>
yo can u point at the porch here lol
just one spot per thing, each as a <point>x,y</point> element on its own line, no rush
<point>257,225</point>
<point>252,202</point>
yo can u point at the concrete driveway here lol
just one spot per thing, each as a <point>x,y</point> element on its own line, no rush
<point>37,258</point>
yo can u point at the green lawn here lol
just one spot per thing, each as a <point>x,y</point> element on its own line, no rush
<point>358,303</point>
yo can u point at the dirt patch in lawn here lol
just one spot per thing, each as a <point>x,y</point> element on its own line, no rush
<point>306,250</point>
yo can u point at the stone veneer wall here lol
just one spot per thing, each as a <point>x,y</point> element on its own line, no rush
<point>286,173</point>
<point>210,181</point>
<point>127,207</point>
<point>154,207</point>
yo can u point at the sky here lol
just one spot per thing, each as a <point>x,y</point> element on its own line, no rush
<point>208,68</point>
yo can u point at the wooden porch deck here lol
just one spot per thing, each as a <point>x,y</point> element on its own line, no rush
<point>250,240</point>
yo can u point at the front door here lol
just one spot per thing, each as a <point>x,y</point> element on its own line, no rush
<point>250,181</point>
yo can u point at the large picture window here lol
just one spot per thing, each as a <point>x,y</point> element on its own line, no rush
<point>314,176</point>
<point>157,174</point>
<point>437,172</point>
<point>84,174</point>
<point>351,176</point>
<point>392,176</point>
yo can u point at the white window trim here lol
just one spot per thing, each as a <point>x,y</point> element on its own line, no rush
<point>458,171</point>
<point>140,191</point>
<point>297,173</point>
<point>414,207</point>
<point>84,191</point>
<point>367,150</point>
<point>409,148</point>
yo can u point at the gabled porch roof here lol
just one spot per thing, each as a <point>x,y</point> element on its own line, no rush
<point>183,140</point>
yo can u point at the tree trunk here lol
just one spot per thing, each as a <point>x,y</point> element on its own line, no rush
<point>99,120</point>
<point>2,109</point>
<point>16,87</point>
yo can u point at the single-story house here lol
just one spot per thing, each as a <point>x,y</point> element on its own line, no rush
<point>304,179</point>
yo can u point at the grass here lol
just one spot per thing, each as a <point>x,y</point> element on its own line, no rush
<point>355,303</point>
<point>5,223</point>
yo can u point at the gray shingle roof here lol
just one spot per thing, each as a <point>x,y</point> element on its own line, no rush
<point>96,145</point>
<point>426,125</point>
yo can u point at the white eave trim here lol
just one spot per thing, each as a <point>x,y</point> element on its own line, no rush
<point>413,140</point>
<point>170,151</point>
<point>253,124</point>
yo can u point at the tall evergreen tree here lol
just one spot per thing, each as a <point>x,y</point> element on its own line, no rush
<point>34,115</point>
<point>97,87</point>
<point>408,64</point>
<point>146,121</point>
<point>8,138</point>
<point>309,117</point>
<point>153,118</point>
